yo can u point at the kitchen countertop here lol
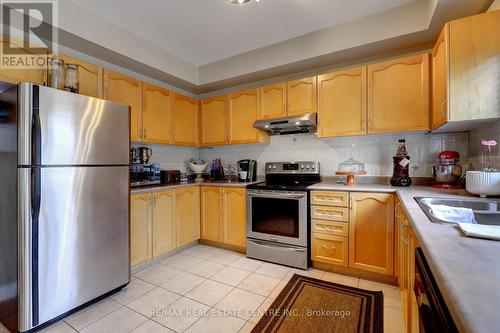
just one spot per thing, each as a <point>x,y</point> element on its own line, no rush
<point>156,188</point>
<point>467,270</point>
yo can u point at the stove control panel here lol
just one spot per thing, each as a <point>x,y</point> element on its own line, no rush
<point>304,167</point>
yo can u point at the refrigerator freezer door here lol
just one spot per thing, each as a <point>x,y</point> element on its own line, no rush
<point>73,129</point>
<point>83,236</point>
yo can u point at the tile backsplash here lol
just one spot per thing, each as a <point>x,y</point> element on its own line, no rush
<point>487,131</point>
<point>376,151</point>
<point>171,157</point>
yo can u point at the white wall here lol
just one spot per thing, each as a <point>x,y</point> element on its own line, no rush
<point>495,5</point>
<point>375,151</point>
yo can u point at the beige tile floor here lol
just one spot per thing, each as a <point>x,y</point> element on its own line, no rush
<point>205,289</point>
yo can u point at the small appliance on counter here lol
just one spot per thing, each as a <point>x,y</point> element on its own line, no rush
<point>144,174</point>
<point>247,170</point>
<point>170,176</point>
<point>351,168</point>
<point>400,176</point>
<point>447,170</point>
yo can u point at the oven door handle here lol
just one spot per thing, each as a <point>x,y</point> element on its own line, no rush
<point>277,195</point>
<point>271,246</point>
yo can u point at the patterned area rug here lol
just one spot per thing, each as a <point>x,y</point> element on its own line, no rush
<point>308,305</point>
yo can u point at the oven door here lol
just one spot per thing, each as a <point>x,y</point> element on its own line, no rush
<point>277,216</point>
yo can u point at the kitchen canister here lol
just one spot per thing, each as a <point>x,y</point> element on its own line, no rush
<point>483,183</point>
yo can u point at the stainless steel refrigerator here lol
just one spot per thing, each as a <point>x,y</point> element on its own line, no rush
<point>64,203</point>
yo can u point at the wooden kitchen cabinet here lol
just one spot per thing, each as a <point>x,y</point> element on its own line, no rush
<point>90,76</point>
<point>186,121</point>
<point>371,232</point>
<point>342,109</point>
<point>223,215</point>
<point>163,222</point>
<point>156,114</point>
<point>234,216</point>
<point>340,214</point>
<point>273,101</point>
<point>140,228</point>
<point>398,95</point>
<point>244,110</point>
<point>214,124</point>
<point>126,90</point>
<point>16,76</point>
<point>301,96</point>
<point>211,213</point>
<point>329,249</point>
<point>330,198</point>
<point>187,209</point>
<point>464,72</point>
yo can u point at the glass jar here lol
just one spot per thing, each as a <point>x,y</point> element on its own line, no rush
<point>72,81</point>
<point>56,73</point>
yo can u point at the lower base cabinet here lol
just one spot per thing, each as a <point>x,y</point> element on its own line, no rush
<point>223,215</point>
<point>162,221</point>
<point>353,229</point>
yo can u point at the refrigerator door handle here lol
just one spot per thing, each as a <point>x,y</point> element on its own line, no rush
<point>36,129</point>
<point>36,198</point>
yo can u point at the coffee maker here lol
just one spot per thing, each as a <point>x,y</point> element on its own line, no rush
<point>247,170</point>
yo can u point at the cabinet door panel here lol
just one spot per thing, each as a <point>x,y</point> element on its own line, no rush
<point>186,121</point>
<point>163,222</point>
<point>90,77</point>
<point>156,114</point>
<point>342,103</point>
<point>19,75</point>
<point>140,230</point>
<point>234,217</point>
<point>371,232</point>
<point>398,95</point>
<point>330,198</point>
<point>301,96</point>
<point>214,130</point>
<point>244,108</point>
<point>440,80</point>
<point>273,101</point>
<point>188,215</point>
<point>126,90</point>
<point>211,213</point>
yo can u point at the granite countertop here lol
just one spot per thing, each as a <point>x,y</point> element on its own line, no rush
<point>467,270</point>
<point>156,188</point>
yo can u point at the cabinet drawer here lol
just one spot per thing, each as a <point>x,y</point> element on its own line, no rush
<point>330,228</point>
<point>329,198</point>
<point>329,213</point>
<point>329,249</point>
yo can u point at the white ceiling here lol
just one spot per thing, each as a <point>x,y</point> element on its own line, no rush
<point>204,31</point>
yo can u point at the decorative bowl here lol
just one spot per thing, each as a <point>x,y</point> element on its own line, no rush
<point>483,183</point>
<point>198,166</point>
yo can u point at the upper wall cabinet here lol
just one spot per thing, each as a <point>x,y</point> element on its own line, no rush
<point>244,110</point>
<point>398,95</point>
<point>214,121</point>
<point>292,98</point>
<point>18,75</point>
<point>156,114</point>
<point>466,74</point>
<point>90,76</point>
<point>126,90</point>
<point>301,96</point>
<point>273,103</point>
<point>342,103</point>
<point>185,121</point>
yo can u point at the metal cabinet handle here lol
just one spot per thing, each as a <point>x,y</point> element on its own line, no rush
<point>441,109</point>
<point>326,247</point>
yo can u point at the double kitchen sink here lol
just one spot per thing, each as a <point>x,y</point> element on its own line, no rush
<point>485,211</point>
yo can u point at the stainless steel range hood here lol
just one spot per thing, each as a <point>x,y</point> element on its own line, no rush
<point>289,125</point>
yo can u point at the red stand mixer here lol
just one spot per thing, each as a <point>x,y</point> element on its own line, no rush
<point>447,170</point>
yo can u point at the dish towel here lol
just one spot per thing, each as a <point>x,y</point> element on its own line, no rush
<point>480,231</point>
<point>453,214</point>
